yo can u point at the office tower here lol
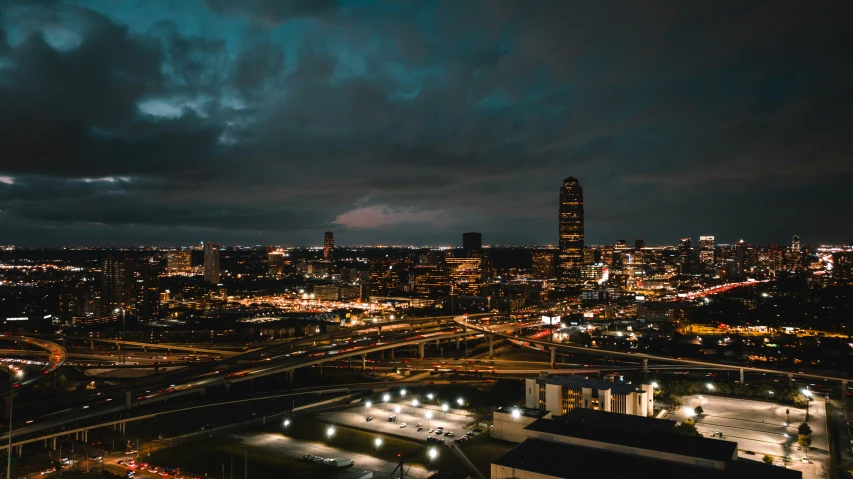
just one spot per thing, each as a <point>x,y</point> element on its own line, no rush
<point>141,289</point>
<point>277,259</point>
<point>621,244</point>
<point>639,244</point>
<point>464,275</point>
<point>542,264</point>
<point>842,267</point>
<point>211,263</point>
<point>571,230</point>
<point>178,262</point>
<point>706,249</point>
<point>795,244</point>
<point>112,284</point>
<point>686,256</point>
<point>472,244</point>
<point>329,246</point>
<point>740,257</point>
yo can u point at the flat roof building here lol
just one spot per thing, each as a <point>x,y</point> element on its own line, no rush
<point>560,394</point>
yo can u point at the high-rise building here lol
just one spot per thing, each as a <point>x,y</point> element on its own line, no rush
<point>277,259</point>
<point>842,267</point>
<point>141,288</point>
<point>211,263</point>
<point>329,246</point>
<point>706,249</point>
<point>795,244</point>
<point>740,257</point>
<point>542,264</point>
<point>639,244</point>
<point>571,230</point>
<point>178,262</point>
<point>464,275</point>
<point>112,284</point>
<point>686,256</point>
<point>472,244</point>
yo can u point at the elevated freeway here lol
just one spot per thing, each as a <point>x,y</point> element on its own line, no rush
<point>56,357</point>
<point>552,346</point>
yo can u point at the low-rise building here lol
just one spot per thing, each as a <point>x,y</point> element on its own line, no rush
<point>559,395</point>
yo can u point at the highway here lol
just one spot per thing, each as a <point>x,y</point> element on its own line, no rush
<point>541,344</point>
<point>56,357</point>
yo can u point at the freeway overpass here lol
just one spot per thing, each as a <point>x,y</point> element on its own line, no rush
<point>553,346</point>
<point>56,358</point>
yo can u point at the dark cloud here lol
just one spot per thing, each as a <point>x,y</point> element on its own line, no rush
<point>272,12</point>
<point>396,122</point>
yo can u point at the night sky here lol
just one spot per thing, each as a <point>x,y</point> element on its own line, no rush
<point>404,122</point>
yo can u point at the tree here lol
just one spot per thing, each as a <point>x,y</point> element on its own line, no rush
<point>699,411</point>
<point>768,459</point>
<point>805,442</point>
<point>687,428</point>
<point>804,430</point>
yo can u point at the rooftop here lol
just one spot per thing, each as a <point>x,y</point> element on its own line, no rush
<point>564,461</point>
<point>617,422</point>
<point>578,382</point>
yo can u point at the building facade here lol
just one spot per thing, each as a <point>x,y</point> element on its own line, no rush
<point>542,263</point>
<point>571,228</point>
<point>329,246</point>
<point>559,395</point>
<point>179,262</point>
<point>211,263</point>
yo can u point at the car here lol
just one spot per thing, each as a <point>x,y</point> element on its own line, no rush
<point>392,418</point>
<point>805,459</point>
<point>97,458</point>
<point>48,471</point>
<point>153,469</point>
<point>419,425</point>
<point>317,459</point>
<point>438,432</point>
<point>751,453</point>
<point>402,424</point>
<point>448,434</point>
<point>132,451</point>
<point>420,428</point>
<point>369,418</point>
<point>120,461</point>
<point>431,431</point>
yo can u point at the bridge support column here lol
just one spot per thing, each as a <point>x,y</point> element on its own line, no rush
<point>92,345</point>
<point>491,346</point>
<point>645,369</point>
<point>363,362</point>
<point>227,388</point>
<point>76,435</point>
<point>321,369</point>
<point>790,379</point>
<point>144,349</point>
<point>20,451</point>
<point>290,377</point>
<point>421,350</point>
<point>127,399</point>
<point>392,353</point>
<point>349,362</point>
<point>118,346</point>
<point>553,357</point>
<point>741,375</point>
<point>54,442</point>
<point>844,391</point>
<point>457,343</point>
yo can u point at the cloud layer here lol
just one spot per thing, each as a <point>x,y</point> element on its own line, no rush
<point>409,122</point>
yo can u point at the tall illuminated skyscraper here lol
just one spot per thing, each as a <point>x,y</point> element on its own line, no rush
<point>329,246</point>
<point>571,230</point>
<point>211,263</point>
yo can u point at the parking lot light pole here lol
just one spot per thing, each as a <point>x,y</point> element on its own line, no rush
<point>444,408</point>
<point>428,416</point>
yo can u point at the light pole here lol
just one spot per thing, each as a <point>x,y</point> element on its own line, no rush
<point>808,395</point>
<point>460,402</point>
<point>330,431</point>
<point>433,453</point>
<point>769,397</point>
<point>376,443</point>
<point>286,423</point>
<point>397,409</point>
<point>428,416</point>
<point>710,388</point>
<point>386,398</point>
<point>430,396</point>
<point>785,459</point>
<point>444,408</point>
<point>402,393</point>
<point>414,405</point>
<point>368,404</point>
<point>11,403</point>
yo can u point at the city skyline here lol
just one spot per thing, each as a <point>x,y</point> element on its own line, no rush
<point>272,122</point>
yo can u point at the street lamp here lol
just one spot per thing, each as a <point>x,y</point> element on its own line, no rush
<point>286,423</point>
<point>376,443</point>
<point>397,409</point>
<point>386,398</point>
<point>402,393</point>
<point>808,395</point>
<point>655,385</point>
<point>368,404</point>
<point>516,414</point>
<point>414,405</point>
<point>710,388</point>
<point>786,450</point>
<point>460,401</point>
<point>444,408</point>
<point>330,431</point>
<point>433,453</point>
<point>428,416</point>
<point>430,396</point>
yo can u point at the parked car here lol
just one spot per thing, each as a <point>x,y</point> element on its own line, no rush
<point>339,462</point>
<point>402,424</point>
<point>420,428</point>
<point>369,418</point>
<point>448,434</point>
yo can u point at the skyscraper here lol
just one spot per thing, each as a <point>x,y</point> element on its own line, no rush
<point>571,230</point>
<point>178,262</point>
<point>211,263</point>
<point>472,243</point>
<point>542,264</point>
<point>329,246</point>
<point>686,256</point>
<point>706,249</point>
<point>112,284</point>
